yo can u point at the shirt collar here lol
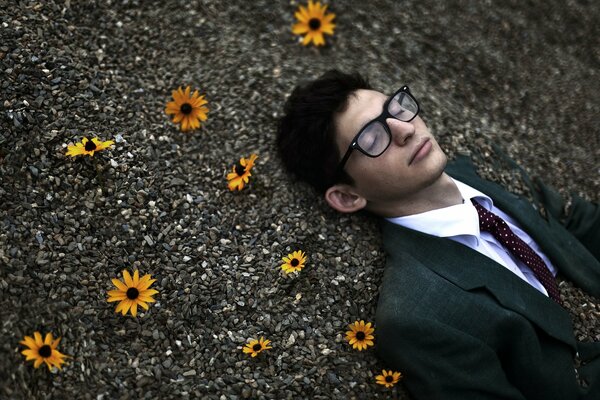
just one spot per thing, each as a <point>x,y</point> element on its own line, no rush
<point>456,220</point>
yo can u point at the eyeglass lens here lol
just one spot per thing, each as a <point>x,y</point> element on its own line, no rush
<point>374,138</point>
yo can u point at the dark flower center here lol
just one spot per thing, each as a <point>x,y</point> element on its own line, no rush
<point>45,351</point>
<point>132,293</point>
<point>314,24</point>
<point>256,347</point>
<point>89,145</point>
<point>295,262</point>
<point>389,378</point>
<point>360,335</point>
<point>240,169</point>
<point>186,108</point>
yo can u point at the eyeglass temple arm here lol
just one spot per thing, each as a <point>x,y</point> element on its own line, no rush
<point>344,160</point>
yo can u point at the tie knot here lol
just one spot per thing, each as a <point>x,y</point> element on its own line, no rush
<point>488,221</point>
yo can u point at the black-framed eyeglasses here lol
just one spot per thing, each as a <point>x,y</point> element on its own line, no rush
<point>375,137</point>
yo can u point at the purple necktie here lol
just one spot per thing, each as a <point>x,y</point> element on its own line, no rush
<point>495,225</point>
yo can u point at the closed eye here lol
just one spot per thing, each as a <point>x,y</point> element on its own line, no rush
<point>372,139</point>
<point>396,110</point>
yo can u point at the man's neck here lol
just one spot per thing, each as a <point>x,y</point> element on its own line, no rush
<point>442,193</point>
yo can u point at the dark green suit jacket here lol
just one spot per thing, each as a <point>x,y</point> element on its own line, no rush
<point>460,326</point>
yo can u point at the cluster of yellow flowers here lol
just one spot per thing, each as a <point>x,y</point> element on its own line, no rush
<point>360,334</point>
<point>189,111</point>
<point>360,337</point>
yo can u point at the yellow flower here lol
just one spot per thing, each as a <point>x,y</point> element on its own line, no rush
<point>240,173</point>
<point>133,292</point>
<point>313,22</point>
<point>43,351</point>
<point>256,346</point>
<point>388,378</point>
<point>88,147</point>
<point>360,335</point>
<point>294,262</point>
<point>188,110</point>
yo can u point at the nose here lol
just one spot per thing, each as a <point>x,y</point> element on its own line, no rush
<point>402,131</point>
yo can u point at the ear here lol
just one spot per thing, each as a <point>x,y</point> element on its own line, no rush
<point>344,198</point>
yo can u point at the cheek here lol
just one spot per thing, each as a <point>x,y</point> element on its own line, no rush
<point>381,171</point>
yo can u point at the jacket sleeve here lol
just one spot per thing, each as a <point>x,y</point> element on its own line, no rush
<point>440,362</point>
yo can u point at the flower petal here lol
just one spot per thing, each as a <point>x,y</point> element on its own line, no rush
<point>48,339</point>
<point>30,354</point>
<point>145,299</point>
<point>145,282</point>
<point>119,297</point>
<point>178,117</point>
<point>300,28</point>
<point>29,342</point>
<point>136,278</point>
<point>143,304</point>
<point>119,284</point>
<point>148,292</point>
<point>127,277</point>
<point>38,339</point>
<point>124,306</point>
<point>55,343</point>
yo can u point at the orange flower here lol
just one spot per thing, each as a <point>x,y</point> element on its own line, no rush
<point>187,110</point>
<point>43,351</point>
<point>360,335</point>
<point>240,173</point>
<point>294,262</point>
<point>254,347</point>
<point>314,22</point>
<point>88,147</point>
<point>388,378</point>
<point>133,292</point>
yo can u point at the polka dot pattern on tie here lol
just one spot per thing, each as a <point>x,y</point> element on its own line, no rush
<point>490,222</point>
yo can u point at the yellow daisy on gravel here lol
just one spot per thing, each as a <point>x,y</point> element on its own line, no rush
<point>314,22</point>
<point>187,110</point>
<point>360,335</point>
<point>240,173</point>
<point>294,262</point>
<point>88,147</point>
<point>133,292</point>
<point>388,378</point>
<point>43,351</point>
<point>255,346</point>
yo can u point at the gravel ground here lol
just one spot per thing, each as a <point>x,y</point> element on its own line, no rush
<point>519,74</point>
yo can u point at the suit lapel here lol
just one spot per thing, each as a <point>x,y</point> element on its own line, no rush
<point>470,270</point>
<point>571,258</point>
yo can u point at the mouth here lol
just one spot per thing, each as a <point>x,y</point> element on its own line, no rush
<point>421,151</point>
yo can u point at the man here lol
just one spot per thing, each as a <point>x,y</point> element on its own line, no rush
<point>468,307</point>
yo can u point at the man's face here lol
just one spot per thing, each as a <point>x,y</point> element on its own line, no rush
<point>412,162</point>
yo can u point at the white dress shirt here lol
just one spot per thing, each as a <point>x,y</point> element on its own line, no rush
<point>461,224</point>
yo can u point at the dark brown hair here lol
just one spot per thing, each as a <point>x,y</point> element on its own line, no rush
<point>306,133</point>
